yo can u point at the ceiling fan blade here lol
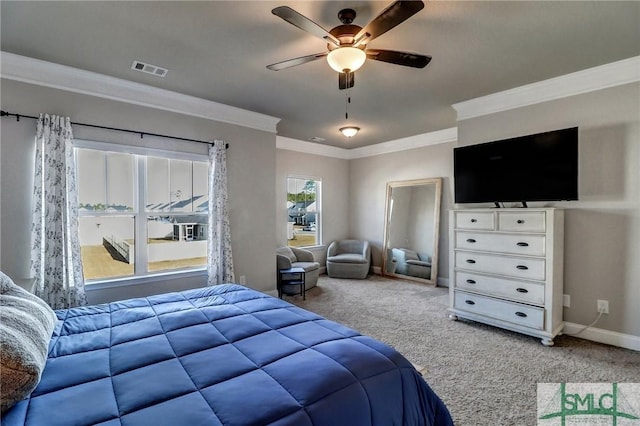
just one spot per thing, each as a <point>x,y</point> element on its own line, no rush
<point>304,23</point>
<point>346,80</point>
<point>392,16</point>
<point>296,61</point>
<point>399,58</point>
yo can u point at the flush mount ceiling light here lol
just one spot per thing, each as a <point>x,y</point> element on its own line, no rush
<point>349,131</point>
<point>346,59</point>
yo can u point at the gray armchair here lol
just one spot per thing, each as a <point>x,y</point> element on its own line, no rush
<point>412,263</point>
<point>349,259</point>
<point>293,257</point>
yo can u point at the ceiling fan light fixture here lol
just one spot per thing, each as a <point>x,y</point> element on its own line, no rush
<point>349,131</point>
<point>346,59</point>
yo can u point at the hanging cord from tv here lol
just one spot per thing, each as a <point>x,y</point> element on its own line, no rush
<point>586,326</point>
<point>95,126</point>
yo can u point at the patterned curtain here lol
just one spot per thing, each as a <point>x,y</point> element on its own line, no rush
<point>219,259</point>
<point>55,245</point>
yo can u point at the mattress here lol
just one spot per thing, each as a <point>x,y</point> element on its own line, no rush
<point>221,355</point>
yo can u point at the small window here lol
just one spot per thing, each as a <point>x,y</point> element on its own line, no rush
<point>303,212</point>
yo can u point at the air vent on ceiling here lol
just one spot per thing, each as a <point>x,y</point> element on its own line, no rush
<point>317,139</point>
<point>149,69</point>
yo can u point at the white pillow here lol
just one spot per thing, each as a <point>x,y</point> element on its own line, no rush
<point>26,326</point>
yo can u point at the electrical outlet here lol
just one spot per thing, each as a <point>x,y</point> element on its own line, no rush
<point>243,279</point>
<point>566,301</point>
<point>603,306</point>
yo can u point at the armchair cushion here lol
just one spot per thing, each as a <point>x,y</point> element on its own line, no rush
<point>418,263</point>
<point>348,258</point>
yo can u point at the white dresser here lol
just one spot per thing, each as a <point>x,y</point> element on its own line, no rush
<point>507,268</point>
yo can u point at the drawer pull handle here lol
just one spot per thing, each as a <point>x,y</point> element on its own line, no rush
<point>471,281</point>
<point>521,314</point>
<point>471,240</point>
<point>520,221</point>
<point>522,267</point>
<point>471,261</point>
<point>522,290</point>
<point>522,244</point>
<point>469,302</point>
<point>474,220</point>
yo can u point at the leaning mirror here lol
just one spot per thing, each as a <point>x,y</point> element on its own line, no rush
<point>412,222</point>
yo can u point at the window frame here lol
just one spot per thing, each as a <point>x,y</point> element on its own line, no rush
<point>318,211</point>
<point>140,214</point>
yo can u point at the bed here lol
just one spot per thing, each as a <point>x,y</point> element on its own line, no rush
<point>221,355</point>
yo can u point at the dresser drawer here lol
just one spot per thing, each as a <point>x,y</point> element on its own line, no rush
<point>521,291</point>
<point>522,221</point>
<point>528,316</point>
<point>474,220</point>
<point>517,267</point>
<point>528,245</point>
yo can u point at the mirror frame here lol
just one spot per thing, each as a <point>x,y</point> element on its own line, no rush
<point>436,231</point>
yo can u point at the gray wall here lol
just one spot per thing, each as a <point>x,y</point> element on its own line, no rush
<point>251,162</point>
<point>368,181</point>
<point>334,174</point>
<point>602,229</point>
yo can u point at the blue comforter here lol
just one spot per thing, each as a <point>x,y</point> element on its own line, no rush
<point>223,355</point>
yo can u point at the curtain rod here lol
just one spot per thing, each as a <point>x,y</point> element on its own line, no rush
<point>142,134</point>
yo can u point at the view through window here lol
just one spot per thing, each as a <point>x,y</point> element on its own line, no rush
<point>303,212</point>
<point>140,214</point>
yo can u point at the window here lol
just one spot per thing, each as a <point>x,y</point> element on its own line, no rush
<point>140,213</point>
<point>303,212</point>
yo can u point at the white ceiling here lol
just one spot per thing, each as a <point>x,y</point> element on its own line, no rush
<point>218,50</point>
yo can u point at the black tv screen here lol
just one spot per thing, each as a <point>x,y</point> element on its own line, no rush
<point>540,167</point>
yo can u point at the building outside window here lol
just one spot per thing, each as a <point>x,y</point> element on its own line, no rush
<point>303,212</point>
<point>141,212</point>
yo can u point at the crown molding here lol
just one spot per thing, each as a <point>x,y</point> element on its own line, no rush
<point>589,80</point>
<point>49,74</point>
<point>298,145</point>
<point>411,142</point>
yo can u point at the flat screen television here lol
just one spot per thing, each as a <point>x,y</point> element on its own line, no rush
<point>540,167</point>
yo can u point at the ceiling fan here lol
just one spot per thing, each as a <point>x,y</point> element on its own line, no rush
<point>347,43</point>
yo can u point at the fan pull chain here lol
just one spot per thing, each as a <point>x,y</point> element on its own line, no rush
<point>346,106</point>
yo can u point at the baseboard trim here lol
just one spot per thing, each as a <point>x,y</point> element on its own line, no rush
<point>600,335</point>
<point>443,282</point>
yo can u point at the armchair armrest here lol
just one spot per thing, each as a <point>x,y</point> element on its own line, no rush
<point>366,250</point>
<point>303,255</point>
<point>332,250</point>
<point>283,262</point>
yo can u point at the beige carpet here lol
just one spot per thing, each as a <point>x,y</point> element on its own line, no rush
<point>485,375</point>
